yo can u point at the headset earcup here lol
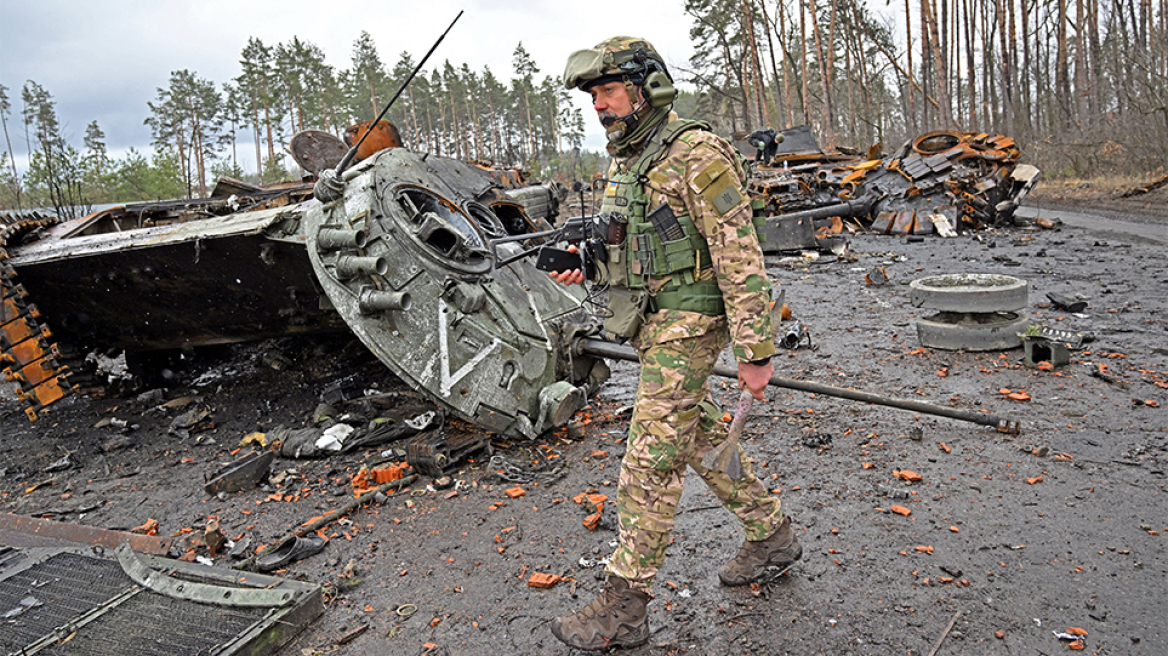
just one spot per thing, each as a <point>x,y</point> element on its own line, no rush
<point>659,89</point>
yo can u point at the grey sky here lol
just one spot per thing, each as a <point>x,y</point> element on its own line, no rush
<point>104,60</point>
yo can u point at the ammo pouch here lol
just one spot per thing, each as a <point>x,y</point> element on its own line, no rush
<point>628,312</point>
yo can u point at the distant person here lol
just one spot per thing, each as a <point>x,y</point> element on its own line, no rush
<point>688,279</point>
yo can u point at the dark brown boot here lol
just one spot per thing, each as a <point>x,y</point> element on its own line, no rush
<point>754,559</point>
<point>618,617</point>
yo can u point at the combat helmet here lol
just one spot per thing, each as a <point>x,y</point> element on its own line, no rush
<point>622,58</point>
<point>637,64</point>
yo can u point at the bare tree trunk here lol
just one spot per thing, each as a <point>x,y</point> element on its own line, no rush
<point>787,65</point>
<point>779,103</point>
<point>1063,80</point>
<point>1081,88</point>
<point>12,159</point>
<point>970,71</point>
<point>911,117</point>
<point>933,41</point>
<point>764,109</point>
<point>826,128</point>
<point>413,113</point>
<point>829,81</point>
<point>1094,69</point>
<point>803,8</point>
<point>1004,48</point>
<point>530,128</point>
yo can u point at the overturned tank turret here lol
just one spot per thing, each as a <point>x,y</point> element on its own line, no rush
<point>402,257</point>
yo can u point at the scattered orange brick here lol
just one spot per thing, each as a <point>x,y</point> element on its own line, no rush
<point>592,522</point>
<point>1044,366</point>
<point>383,475</point>
<point>150,527</point>
<point>1151,403</point>
<point>368,608</point>
<point>954,529</point>
<point>436,621</point>
<point>901,510</point>
<point>945,447</point>
<point>907,474</point>
<point>516,492</point>
<point>1020,395</point>
<point>867,465</point>
<point>923,548</point>
<point>999,634</point>
<point>1036,479</point>
<point>943,371</point>
<point>1076,631</point>
<point>541,580</point>
<point>1077,645</point>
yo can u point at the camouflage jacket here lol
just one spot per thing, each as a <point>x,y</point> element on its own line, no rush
<point>681,177</point>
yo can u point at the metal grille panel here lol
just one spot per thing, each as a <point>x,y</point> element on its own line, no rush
<point>89,606</point>
<point>66,586</point>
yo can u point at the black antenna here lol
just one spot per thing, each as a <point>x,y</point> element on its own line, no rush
<point>348,158</point>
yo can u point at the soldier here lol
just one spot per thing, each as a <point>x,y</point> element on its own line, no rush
<point>685,278</point>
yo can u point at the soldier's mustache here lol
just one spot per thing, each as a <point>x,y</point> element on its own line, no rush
<point>607,117</point>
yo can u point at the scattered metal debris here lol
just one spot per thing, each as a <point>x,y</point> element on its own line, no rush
<point>243,474</point>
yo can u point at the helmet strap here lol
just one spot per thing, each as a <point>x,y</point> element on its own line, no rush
<point>626,132</point>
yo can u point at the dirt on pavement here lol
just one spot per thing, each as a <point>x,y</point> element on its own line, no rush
<point>1002,541</point>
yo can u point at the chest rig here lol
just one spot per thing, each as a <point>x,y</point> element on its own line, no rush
<point>661,251</point>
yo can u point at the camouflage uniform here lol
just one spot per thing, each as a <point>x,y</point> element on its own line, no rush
<point>676,422</point>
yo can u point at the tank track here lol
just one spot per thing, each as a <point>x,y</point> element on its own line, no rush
<point>28,356</point>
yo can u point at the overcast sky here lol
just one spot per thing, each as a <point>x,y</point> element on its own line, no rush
<point>104,60</point>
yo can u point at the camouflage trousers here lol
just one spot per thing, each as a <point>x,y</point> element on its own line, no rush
<point>675,423</point>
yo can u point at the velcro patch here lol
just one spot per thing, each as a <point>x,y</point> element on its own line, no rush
<point>722,193</point>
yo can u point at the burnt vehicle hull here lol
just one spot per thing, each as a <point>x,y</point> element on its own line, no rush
<point>939,181</point>
<point>418,287</point>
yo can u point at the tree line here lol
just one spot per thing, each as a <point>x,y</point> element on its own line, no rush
<point>1081,84</point>
<point>197,124</point>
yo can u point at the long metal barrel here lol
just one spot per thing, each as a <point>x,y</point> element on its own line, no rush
<point>858,207</point>
<point>616,352</point>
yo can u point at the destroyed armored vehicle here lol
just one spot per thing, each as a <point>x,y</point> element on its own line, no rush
<point>403,258</point>
<point>941,182</point>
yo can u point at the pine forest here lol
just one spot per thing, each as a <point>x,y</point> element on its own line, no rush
<point>1082,85</point>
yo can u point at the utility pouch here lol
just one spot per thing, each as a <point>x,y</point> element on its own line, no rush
<point>618,274</point>
<point>628,312</point>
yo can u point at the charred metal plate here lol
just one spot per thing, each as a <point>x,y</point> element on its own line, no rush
<point>409,269</point>
<point>84,602</point>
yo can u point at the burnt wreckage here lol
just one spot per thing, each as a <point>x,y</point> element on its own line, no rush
<point>402,258</point>
<point>421,257</point>
<point>941,182</point>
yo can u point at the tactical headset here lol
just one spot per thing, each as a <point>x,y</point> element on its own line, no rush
<point>653,78</point>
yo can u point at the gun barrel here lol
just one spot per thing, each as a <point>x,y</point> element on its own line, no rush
<point>617,352</point>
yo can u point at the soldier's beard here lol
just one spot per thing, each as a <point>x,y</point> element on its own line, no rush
<point>615,126</point>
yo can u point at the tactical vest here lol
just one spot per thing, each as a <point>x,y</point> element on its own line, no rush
<point>646,254</point>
